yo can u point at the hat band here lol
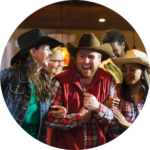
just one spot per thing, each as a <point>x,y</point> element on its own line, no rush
<point>86,47</point>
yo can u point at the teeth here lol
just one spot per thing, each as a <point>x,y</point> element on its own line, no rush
<point>86,67</point>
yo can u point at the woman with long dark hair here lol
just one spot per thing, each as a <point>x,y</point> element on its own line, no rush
<point>26,85</point>
<point>132,92</point>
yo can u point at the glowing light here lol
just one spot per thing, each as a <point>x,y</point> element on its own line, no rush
<point>66,56</point>
<point>102,20</point>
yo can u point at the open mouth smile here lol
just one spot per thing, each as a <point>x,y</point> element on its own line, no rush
<point>86,68</point>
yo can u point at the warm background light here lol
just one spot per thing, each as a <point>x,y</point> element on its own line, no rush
<point>66,56</point>
<point>102,20</point>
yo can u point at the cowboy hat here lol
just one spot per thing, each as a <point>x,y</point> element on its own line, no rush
<point>89,41</point>
<point>133,56</point>
<point>31,38</point>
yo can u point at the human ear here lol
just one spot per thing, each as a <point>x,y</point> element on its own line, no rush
<point>123,45</point>
<point>99,60</point>
<point>32,51</point>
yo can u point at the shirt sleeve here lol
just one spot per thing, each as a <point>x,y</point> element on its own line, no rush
<point>69,120</point>
<point>106,115</point>
<point>112,88</point>
<point>4,79</point>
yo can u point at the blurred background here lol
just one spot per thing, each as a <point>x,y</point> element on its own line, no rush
<point>67,21</point>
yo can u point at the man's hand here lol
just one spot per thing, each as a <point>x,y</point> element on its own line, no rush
<point>112,102</point>
<point>85,114</point>
<point>58,111</point>
<point>90,102</point>
<point>121,119</point>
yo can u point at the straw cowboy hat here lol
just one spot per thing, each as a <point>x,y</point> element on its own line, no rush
<point>133,56</point>
<point>89,41</point>
<point>31,38</point>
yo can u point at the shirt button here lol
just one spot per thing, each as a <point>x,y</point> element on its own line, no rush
<point>42,109</point>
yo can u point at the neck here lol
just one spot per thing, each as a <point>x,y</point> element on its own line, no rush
<point>86,80</point>
<point>136,87</point>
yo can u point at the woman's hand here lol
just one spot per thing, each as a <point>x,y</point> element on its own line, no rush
<point>58,111</point>
<point>112,102</point>
<point>121,119</point>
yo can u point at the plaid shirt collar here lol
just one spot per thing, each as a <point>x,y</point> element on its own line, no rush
<point>77,78</point>
<point>144,94</point>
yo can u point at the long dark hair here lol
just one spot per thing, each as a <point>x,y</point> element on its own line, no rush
<point>125,90</point>
<point>41,80</point>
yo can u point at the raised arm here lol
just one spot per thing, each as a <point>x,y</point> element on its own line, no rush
<point>69,120</point>
<point>100,111</point>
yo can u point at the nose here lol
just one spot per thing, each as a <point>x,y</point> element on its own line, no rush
<point>86,60</point>
<point>59,64</point>
<point>127,72</point>
<point>113,55</point>
<point>49,52</point>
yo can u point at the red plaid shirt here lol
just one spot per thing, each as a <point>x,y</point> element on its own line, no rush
<point>105,115</point>
<point>130,111</point>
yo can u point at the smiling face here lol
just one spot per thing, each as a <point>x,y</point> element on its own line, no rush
<point>132,73</point>
<point>55,64</point>
<point>118,50</point>
<point>87,62</point>
<point>42,55</point>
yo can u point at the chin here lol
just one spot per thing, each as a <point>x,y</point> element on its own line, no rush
<point>86,75</point>
<point>129,83</point>
<point>45,65</point>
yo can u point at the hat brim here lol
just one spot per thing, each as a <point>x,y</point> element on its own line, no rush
<point>43,40</point>
<point>138,60</point>
<point>104,49</point>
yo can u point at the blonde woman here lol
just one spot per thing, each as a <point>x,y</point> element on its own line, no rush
<point>56,62</point>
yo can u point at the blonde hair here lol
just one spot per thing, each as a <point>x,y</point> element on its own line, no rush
<point>55,50</point>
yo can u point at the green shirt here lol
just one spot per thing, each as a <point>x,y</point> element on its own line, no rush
<point>33,113</point>
<point>30,125</point>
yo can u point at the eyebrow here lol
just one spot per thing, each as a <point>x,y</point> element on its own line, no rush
<point>114,50</point>
<point>81,53</point>
<point>129,68</point>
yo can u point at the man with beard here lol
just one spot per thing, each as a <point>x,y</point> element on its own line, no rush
<point>82,89</point>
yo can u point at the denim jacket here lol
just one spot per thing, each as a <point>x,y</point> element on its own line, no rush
<point>17,94</point>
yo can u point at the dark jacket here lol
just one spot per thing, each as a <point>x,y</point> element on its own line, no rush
<point>17,94</point>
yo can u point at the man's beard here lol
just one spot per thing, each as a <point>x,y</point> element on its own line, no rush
<point>86,76</point>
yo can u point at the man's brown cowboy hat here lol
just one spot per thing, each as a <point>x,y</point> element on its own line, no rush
<point>89,41</point>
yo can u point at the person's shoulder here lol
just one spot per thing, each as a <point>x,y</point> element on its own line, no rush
<point>104,72</point>
<point>64,74</point>
<point>7,71</point>
<point>119,87</point>
<point>4,71</point>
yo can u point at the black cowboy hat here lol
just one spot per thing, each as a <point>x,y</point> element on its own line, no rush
<point>30,39</point>
<point>89,41</point>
